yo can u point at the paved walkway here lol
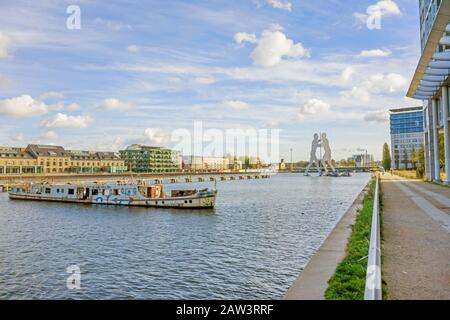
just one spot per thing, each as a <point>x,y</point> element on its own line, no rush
<point>416,233</point>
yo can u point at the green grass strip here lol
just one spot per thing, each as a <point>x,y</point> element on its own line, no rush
<point>349,279</point>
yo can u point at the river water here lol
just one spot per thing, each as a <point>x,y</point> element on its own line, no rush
<point>252,246</point>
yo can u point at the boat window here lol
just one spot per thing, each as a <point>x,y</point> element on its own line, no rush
<point>71,191</point>
<point>106,192</point>
<point>116,192</point>
<point>94,192</point>
<point>48,190</point>
<point>57,190</point>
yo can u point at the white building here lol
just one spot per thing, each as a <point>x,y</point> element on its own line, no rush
<point>205,163</point>
<point>362,159</point>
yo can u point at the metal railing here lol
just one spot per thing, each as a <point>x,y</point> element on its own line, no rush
<point>373,289</point>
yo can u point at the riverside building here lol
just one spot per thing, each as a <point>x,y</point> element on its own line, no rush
<point>140,158</point>
<point>49,159</point>
<point>18,161</point>
<point>407,136</point>
<point>199,163</point>
<point>431,83</point>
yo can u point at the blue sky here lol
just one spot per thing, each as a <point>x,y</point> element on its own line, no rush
<point>138,70</point>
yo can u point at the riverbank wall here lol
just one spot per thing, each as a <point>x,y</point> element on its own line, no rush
<point>312,282</point>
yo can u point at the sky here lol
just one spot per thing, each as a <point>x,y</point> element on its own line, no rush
<point>138,71</point>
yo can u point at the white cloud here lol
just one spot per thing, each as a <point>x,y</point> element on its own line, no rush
<point>112,25</point>
<point>376,53</point>
<point>204,80</point>
<point>22,106</point>
<point>242,37</point>
<point>359,93</point>
<point>19,137</point>
<point>5,45</point>
<point>378,83</point>
<point>394,82</point>
<point>115,104</point>
<point>278,4</point>
<point>51,95</point>
<point>313,107</point>
<point>381,116</point>
<point>156,137</point>
<point>51,135</point>
<point>387,8</point>
<point>73,107</point>
<point>347,74</point>
<point>273,46</point>
<point>236,105</point>
<point>133,49</point>
<point>59,106</point>
<point>62,120</point>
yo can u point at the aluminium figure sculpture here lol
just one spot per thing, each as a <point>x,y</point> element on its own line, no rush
<point>313,158</point>
<point>326,160</point>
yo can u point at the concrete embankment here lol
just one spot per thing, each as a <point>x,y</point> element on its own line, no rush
<point>6,183</point>
<point>68,176</point>
<point>313,280</point>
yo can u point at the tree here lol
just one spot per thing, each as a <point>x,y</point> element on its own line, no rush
<point>414,157</point>
<point>441,149</point>
<point>420,171</point>
<point>405,158</point>
<point>387,161</point>
<point>397,160</point>
<point>421,155</point>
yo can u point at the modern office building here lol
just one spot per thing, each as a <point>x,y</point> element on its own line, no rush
<point>407,136</point>
<point>431,82</point>
<point>140,158</point>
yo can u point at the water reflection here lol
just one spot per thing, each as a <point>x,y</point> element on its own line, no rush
<point>251,246</point>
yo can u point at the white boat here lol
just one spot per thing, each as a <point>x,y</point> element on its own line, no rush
<point>126,194</point>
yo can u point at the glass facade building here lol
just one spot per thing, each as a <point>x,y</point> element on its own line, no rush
<point>407,128</point>
<point>430,84</point>
<point>428,12</point>
<point>144,159</point>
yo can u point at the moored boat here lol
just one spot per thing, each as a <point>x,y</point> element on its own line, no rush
<point>127,194</point>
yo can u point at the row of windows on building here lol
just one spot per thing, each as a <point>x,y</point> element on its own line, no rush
<point>406,141</point>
